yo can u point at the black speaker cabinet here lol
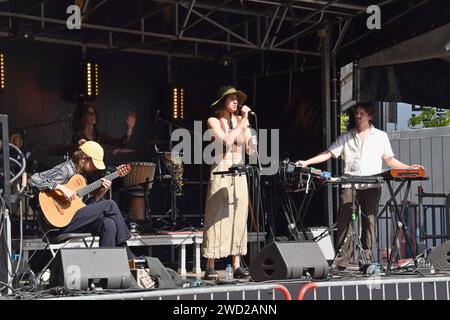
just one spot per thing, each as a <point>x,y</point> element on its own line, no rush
<point>83,268</point>
<point>289,260</point>
<point>440,256</point>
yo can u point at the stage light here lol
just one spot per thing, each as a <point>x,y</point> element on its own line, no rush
<point>2,71</point>
<point>177,103</point>
<point>224,59</point>
<point>21,29</point>
<point>90,80</point>
<point>96,80</point>
<point>181,103</point>
<point>447,46</point>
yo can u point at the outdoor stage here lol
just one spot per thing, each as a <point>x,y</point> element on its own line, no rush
<point>141,78</point>
<point>340,285</point>
<point>179,242</point>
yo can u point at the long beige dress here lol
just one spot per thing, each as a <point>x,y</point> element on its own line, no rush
<point>225,228</point>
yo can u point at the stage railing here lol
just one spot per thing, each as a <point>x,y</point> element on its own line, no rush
<point>272,291</point>
<point>376,287</point>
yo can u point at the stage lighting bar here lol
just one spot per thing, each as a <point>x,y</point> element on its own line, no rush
<point>89,79</point>
<point>96,80</point>
<point>2,71</point>
<point>181,103</point>
<point>177,103</point>
<point>90,75</point>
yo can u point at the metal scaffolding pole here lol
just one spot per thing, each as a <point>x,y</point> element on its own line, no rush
<point>324,35</point>
<point>6,247</point>
<point>335,122</point>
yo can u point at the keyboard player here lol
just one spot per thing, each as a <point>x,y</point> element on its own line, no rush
<point>364,148</point>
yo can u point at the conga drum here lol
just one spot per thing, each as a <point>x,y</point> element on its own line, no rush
<point>139,178</point>
<point>136,206</point>
<point>141,172</point>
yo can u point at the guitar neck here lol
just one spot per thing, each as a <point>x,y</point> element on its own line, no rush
<point>95,185</point>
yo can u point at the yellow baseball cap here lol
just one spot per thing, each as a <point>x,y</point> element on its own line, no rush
<point>95,152</point>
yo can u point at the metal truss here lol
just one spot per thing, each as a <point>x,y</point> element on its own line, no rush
<point>199,27</point>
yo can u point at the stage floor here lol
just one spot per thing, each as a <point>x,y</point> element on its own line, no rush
<point>342,286</point>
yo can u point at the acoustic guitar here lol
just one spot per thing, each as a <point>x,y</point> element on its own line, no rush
<point>58,211</point>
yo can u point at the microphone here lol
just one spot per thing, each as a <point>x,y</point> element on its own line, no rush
<point>240,111</point>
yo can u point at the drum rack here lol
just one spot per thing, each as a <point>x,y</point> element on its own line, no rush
<point>163,162</point>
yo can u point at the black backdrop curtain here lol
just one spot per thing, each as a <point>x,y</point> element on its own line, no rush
<point>422,83</point>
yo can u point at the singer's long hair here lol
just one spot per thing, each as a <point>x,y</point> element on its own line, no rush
<point>219,110</point>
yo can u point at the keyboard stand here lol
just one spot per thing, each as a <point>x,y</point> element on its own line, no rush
<point>399,224</point>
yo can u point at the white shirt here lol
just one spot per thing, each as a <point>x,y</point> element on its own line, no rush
<point>362,158</point>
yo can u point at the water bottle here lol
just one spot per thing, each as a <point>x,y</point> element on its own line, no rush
<point>229,273</point>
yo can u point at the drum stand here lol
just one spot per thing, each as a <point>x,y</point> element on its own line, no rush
<point>145,188</point>
<point>147,204</point>
<point>173,211</point>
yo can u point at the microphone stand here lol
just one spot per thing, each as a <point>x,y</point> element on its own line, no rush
<point>162,177</point>
<point>170,123</point>
<point>257,184</point>
<point>40,125</point>
<point>45,124</point>
<point>173,192</point>
<point>173,197</point>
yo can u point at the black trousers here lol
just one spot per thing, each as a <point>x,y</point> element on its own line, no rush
<point>367,200</point>
<point>102,219</point>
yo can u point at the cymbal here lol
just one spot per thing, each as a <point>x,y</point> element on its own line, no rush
<point>116,149</point>
<point>123,150</point>
<point>60,149</point>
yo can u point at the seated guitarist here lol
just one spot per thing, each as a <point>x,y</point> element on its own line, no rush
<point>99,217</point>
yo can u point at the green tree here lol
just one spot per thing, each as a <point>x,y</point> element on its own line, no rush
<point>345,118</point>
<point>429,118</point>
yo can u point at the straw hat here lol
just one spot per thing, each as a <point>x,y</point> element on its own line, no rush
<point>224,91</point>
